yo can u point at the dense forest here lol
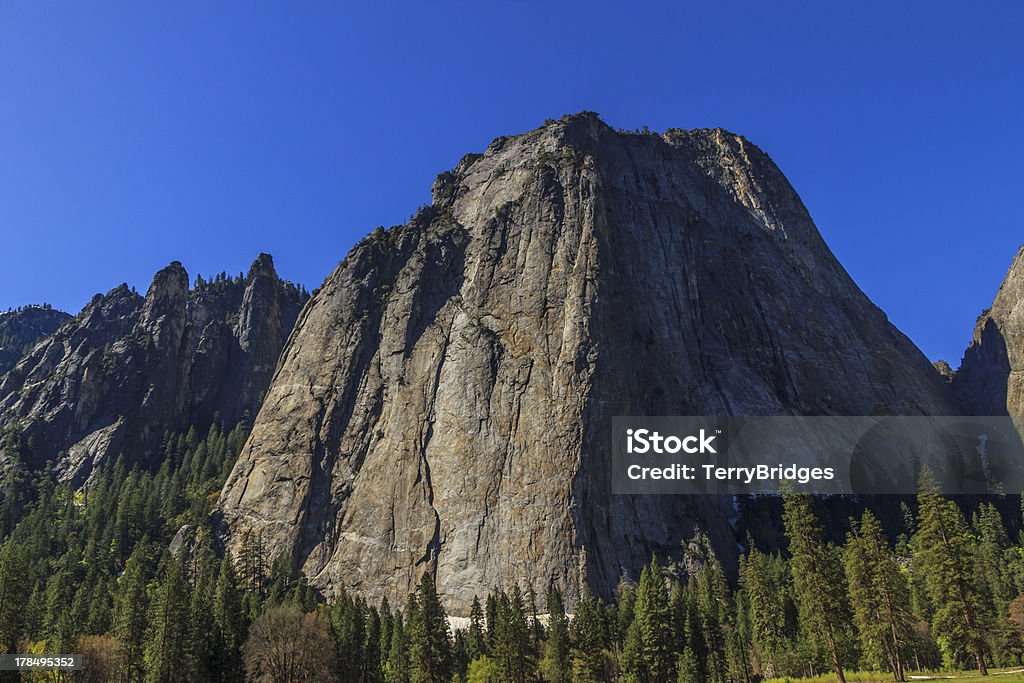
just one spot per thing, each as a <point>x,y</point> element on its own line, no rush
<point>127,574</point>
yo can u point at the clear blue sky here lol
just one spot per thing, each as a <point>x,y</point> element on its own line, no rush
<point>132,135</point>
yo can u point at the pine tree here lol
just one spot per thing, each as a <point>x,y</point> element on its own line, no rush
<point>556,665</point>
<point>648,653</point>
<point>229,624</point>
<point>14,593</point>
<point>590,640</point>
<point>302,595</point>
<point>738,640</point>
<point>283,578</point>
<point>993,542</point>
<point>714,612</point>
<point>429,644</point>
<point>512,646</point>
<point>348,628</point>
<point>677,606</point>
<point>625,593</point>
<point>633,662</point>
<point>371,654</point>
<point>130,607</point>
<point>60,621</point>
<point>689,667</point>
<point>491,618</point>
<point>252,568</point>
<point>387,624</point>
<point>397,668</point>
<point>817,578</point>
<point>765,581</point>
<point>536,628</point>
<point>101,607</point>
<point>476,638</point>
<point>460,655</point>
<point>995,562</point>
<point>34,611</point>
<point>696,644</point>
<point>168,626</point>
<point>201,646</point>
<point>943,554</point>
<point>879,594</point>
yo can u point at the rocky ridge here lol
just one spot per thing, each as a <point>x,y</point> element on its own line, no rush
<point>129,368</point>
<point>21,329</point>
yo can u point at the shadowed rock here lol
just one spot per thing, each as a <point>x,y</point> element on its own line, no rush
<point>990,380</point>
<point>22,329</point>
<point>128,368</point>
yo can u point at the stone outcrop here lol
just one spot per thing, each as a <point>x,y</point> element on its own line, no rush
<point>444,403</point>
<point>990,380</point>
<point>944,369</point>
<point>129,368</point>
<point>20,330</point>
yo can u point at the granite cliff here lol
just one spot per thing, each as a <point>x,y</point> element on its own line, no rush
<point>990,380</point>
<point>129,368</point>
<point>444,402</point>
<point>21,329</point>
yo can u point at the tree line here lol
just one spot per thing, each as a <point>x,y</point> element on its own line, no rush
<point>96,572</point>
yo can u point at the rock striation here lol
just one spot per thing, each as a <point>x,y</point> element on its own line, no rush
<point>990,380</point>
<point>129,368</point>
<point>444,402</point>
<point>21,329</point>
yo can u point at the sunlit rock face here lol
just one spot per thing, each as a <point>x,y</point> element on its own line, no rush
<point>444,402</point>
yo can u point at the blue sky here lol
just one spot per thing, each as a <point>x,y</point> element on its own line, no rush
<point>134,134</point>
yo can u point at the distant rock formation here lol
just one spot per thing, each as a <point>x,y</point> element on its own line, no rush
<point>20,330</point>
<point>129,368</point>
<point>444,403</point>
<point>990,380</point>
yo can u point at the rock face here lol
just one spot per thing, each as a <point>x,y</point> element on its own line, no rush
<point>128,368</point>
<point>444,403</point>
<point>943,368</point>
<point>21,329</point>
<point>990,380</point>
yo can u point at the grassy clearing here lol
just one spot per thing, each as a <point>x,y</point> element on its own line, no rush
<point>1011,675</point>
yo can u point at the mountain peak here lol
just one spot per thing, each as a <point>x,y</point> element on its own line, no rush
<point>163,313</point>
<point>263,265</point>
<point>442,404</point>
<point>172,279</point>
